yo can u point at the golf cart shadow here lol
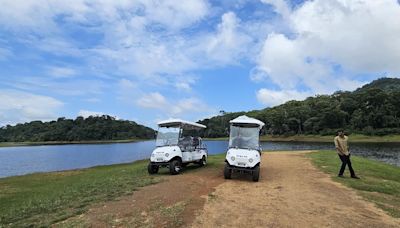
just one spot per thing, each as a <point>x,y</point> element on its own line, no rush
<point>245,177</point>
<point>188,169</point>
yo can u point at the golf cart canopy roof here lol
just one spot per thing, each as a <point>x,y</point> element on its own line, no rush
<point>185,125</point>
<point>245,121</point>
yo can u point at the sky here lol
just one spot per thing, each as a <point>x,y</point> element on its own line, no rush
<point>149,60</point>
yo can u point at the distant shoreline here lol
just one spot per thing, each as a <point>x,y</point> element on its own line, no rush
<point>264,138</point>
<point>325,138</point>
<point>12,144</point>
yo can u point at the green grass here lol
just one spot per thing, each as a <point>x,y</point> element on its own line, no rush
<point>380,182</point>
<point>43,199</point>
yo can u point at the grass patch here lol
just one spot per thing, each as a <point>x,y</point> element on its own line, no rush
<point>173,213</point>
<point>45,198</point>
<point>380,182</point>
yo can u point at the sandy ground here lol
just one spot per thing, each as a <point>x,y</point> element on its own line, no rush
<point>291,193</point>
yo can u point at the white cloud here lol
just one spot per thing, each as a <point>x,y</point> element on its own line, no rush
<point>183,86</point>
<point>189,105</point>
<point>152,100</point>
<point>184,107</point>
<point>274,97</point>
<point>87,113</point>
<point>229,43</point>
<point>281,7</point>
<point>77,87</point>
<point>61,72</point>
<point>333,41</point>
<point>40,14</point>
<point>17,107</point>
<point>142,40</point>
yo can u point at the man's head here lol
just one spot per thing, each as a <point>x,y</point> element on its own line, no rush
<point>340,132</point>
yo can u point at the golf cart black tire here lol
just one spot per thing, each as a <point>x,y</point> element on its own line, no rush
<point>152,169</point>
<point>227,172</point>
<point>203,161</point>
<point>172,165</point>
<point>256,173</point>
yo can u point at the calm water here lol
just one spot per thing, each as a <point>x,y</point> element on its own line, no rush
<point>30,159</point>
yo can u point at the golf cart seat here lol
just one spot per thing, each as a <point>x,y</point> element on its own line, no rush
<point>196,142</point>
<point>186,143</point>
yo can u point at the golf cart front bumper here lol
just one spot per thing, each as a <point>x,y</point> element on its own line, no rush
<point>239,169</point>
<point>162,164</point>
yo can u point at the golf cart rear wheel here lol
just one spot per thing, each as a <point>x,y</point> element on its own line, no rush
<point>203,161</point>
<point>256,173</point>
<point>152,169</point>
<point>227,172</point>
<point>175,167</point>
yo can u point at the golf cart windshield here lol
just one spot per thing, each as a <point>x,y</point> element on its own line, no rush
<point>244,137</point>
<point>167,136</point>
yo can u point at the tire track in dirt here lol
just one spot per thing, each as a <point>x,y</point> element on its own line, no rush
<point>291,193</point>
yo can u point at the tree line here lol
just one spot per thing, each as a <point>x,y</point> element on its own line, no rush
<point>373,109</point>
<point>80,129</point>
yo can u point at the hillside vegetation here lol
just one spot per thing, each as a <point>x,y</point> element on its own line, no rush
<point>81,129</point>
<point>373,109</point>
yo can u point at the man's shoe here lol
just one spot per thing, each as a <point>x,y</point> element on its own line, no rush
<point>355,177</point>
<point>341,176</point>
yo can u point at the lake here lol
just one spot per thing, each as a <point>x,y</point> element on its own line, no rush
<point>30,159</point>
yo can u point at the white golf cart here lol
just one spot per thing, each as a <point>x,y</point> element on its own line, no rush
<point>244,152</point>
<point>176,148</point>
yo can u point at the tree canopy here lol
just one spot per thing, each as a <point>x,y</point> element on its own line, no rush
<point>373,109</point>
<point>81,129</point>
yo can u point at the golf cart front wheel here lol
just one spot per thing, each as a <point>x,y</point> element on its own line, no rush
<point>227,172</point>
<point>256,173</point>
<point>152,169</point>
<point>175,167</point>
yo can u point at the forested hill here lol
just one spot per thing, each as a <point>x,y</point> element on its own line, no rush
<point>373,109</point>
<point>81,129</point>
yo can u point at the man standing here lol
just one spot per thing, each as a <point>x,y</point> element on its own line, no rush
<point>344,154</point>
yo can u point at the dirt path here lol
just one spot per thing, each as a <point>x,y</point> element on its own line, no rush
<point>291,193</point>
<point>174,202</point>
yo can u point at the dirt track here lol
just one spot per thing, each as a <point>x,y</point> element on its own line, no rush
<point>291,193</point>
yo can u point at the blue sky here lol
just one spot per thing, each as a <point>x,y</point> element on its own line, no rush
<point>148,60</point>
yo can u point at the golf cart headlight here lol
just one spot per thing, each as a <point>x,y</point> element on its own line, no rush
<point>166,154</point>
<point>233,158</point>
<point>250,160</point>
